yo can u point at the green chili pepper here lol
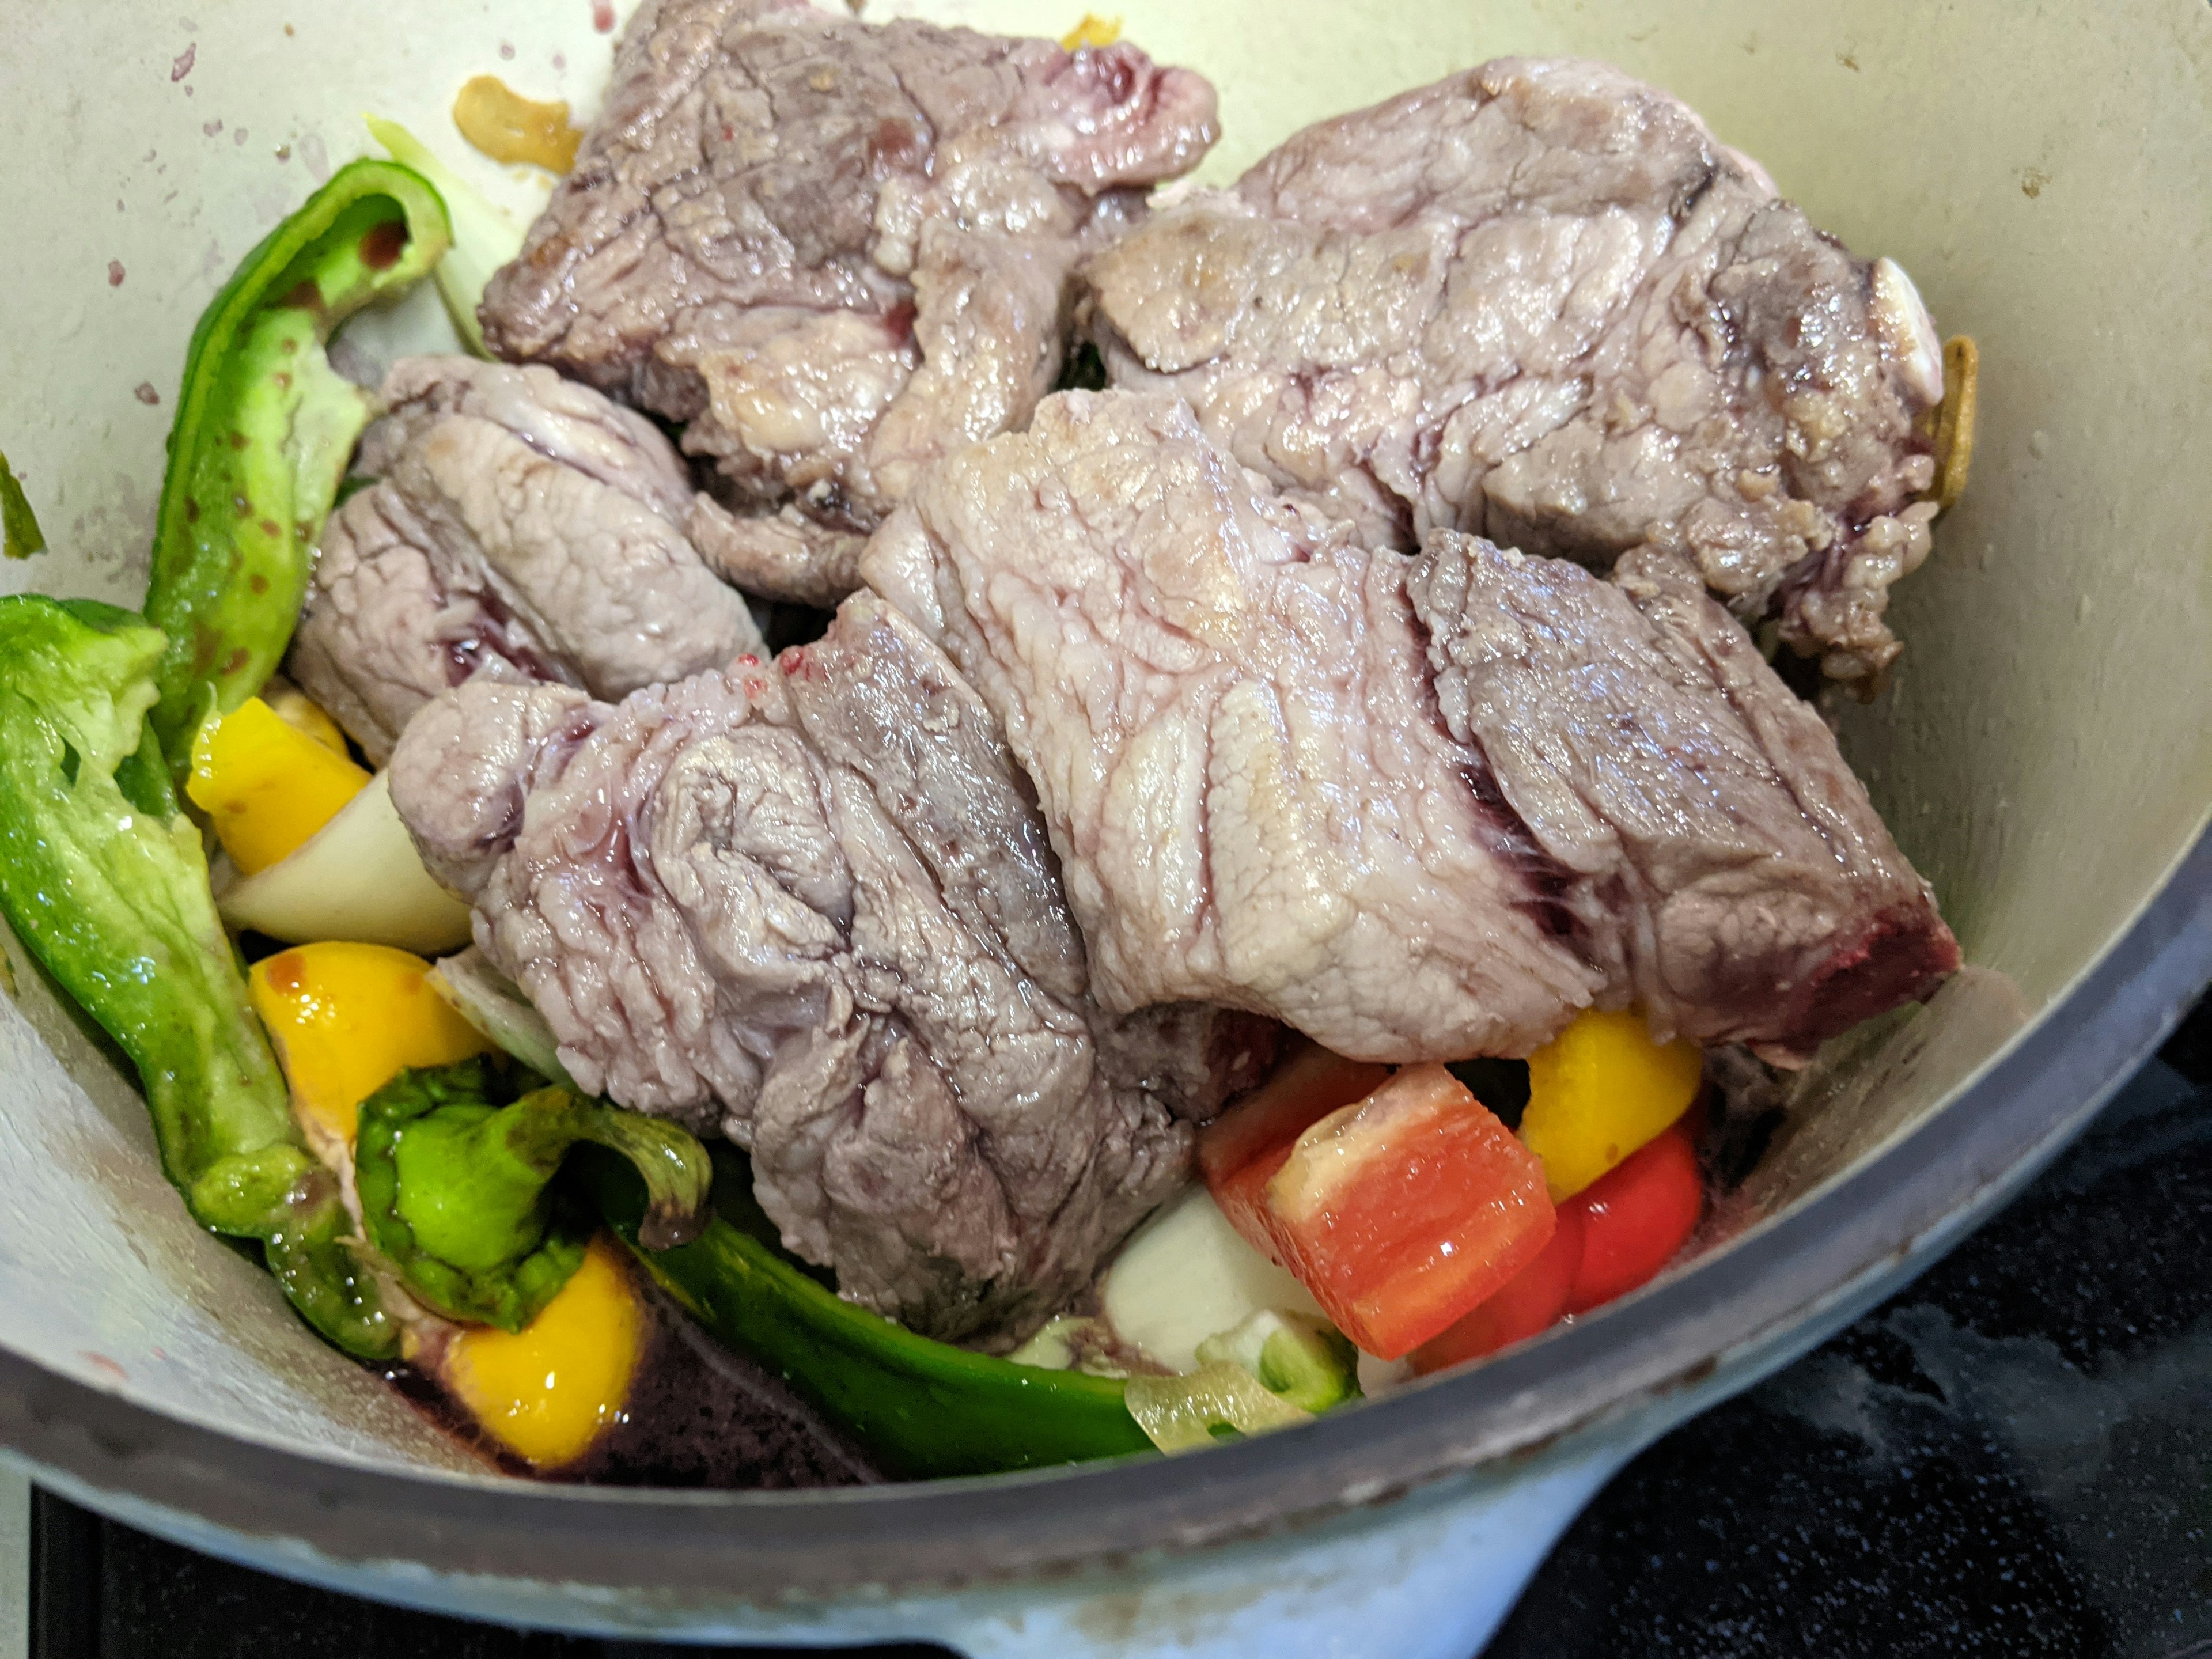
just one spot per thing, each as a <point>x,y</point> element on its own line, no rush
<point>20,535</point>
<point>484,237</point>
<point>920,1408</point>
<point>457,1186</point>
<point>105,882</point>
<point>1309,1362</point>
<point>263,432</point>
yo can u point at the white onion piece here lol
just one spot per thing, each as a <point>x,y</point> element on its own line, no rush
<point>357,878</point>
<point>495,1005</point>
<point>1186,1275</point>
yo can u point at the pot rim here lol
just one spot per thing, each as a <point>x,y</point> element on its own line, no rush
<point>1884,1220</point>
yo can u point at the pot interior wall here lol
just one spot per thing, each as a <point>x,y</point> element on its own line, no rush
<point>2042,754</point>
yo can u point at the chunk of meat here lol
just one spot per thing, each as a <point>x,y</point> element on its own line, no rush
<point>1538,300</point>
<point>1711,853</point>
<point>836,250</point>
<point>811,904</point>
<point>521,527</point>
<point>1420,809</point>
<point>1222,701</point>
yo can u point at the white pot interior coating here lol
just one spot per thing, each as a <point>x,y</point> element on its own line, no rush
<point>2043,753</point>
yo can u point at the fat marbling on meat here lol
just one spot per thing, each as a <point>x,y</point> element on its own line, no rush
<point>520,526</point>
<point>835,250</point>
<point>811,905</point>
<point>1539,301</point>
<point>1421,808</point>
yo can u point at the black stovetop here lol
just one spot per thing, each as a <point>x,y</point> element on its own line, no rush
<point>2011,1457</point>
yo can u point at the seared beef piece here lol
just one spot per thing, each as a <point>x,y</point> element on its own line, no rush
<point>1420,809</point>
<point>836,250</point>
<point>1222,702</point>
<point>811,904</point>
<point>1539,301</point>
<point>1710,852</point>
<point>522,527</point>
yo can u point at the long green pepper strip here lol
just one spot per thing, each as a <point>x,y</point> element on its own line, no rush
<point>921,1409</point>
<point>105,882</point>
<point>263,432</point>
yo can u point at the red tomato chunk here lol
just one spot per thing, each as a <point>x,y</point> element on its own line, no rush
<point>1247,1144</point>
<point>1403,1212</point>
<point>1529,1303</point>
<point>1636,1219</point>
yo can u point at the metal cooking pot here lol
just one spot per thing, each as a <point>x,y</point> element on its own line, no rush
<point>2043,755</point>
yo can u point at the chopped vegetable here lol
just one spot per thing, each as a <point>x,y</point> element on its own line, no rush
<point>921,1409</point>
<point>495,1005</point>
<point>546,1392</point>
<point>1301,1358</point>
<point>1599,1089</point>
<point>1219,1401</point>
<point>508,127</point>
<point>1530,1302</point>
<point>104,880</point>
<point>1637,1220</point>
<point>457,1186</point>
<point>20,535</point>
<point>1403,1212</point>
<point>346,1019</point>
<point>484,237</point>
<point>1092,31</point>
<point>1242,1148</point>
<point>265,428</point>
<point>1187,1273</point>
<point>265,784</point>
<point>358,878</point>
<point>303,714</point>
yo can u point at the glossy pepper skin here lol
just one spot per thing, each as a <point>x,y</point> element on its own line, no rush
<point>456,1182</point>
<point>265,428</point>
<point>920,1409</point>
<point>104,880</point>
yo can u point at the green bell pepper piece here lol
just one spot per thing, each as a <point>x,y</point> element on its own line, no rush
<point>20,535</point>
<point>265,430</point>
<point>457,1186</point>
<point>484,238</point>
<point>105,882</point>
<point>1310,1363</point>
<point>921,1409</point>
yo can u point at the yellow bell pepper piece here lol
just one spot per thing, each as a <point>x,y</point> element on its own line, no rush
<point>545,1392</point>
<point>303,714</point>
<point>266,784</point>
<point>345,1018</point>
<point>1599,1090</point>
<point>1092,31</point>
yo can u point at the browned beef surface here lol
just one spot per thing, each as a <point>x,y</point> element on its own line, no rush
<point>1695,831</point>
<point>810,904</point>
<point>521,527</point>
<point>1539,301</point>
<point>835,250</point>
<point>1421,808</point>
